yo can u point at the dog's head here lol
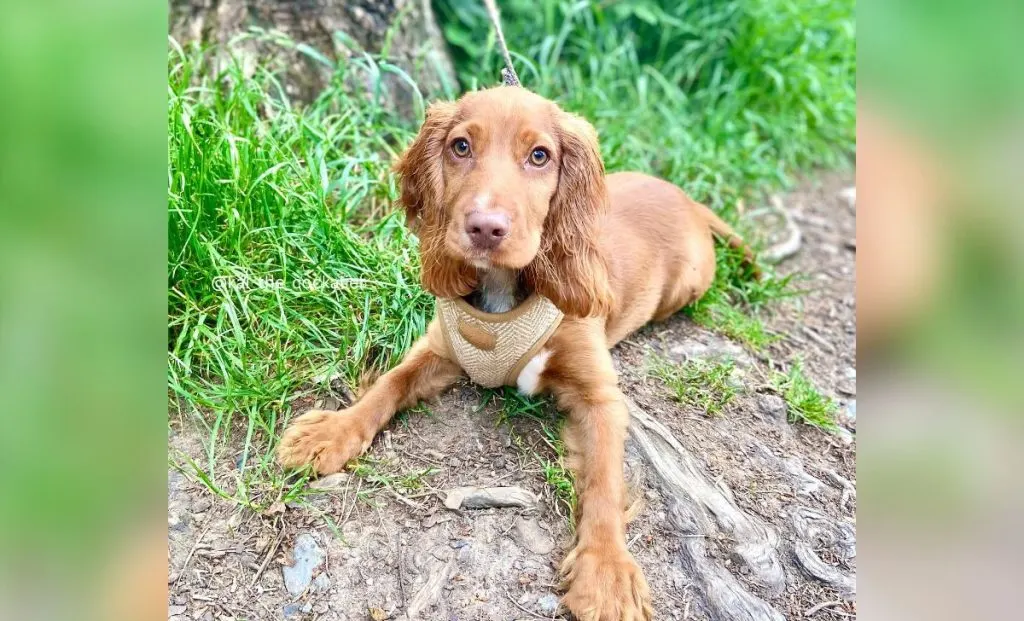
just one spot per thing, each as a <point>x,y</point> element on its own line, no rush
<point>504,178</point>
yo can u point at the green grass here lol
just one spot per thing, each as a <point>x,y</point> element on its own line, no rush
<point>287,265</point>
<point>707,385</point>
<point>274,285</point>
<point>380,474</point>
<point>541,411</point>
<point>804,402</point>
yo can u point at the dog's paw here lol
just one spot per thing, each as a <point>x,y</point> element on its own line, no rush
<point>605,584</point>
<point>326,440</point>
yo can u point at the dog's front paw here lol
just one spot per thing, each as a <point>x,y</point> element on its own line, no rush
<point>326,440</point>
<point>605,584</point>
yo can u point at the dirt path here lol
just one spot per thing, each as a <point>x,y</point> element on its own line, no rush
<point>758,522</point>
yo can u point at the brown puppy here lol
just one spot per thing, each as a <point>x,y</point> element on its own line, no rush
<point>508,196</point>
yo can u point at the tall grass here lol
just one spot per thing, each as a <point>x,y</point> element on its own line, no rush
<point>287,265</point>
<point>274,284</point>
<point>725,98</point>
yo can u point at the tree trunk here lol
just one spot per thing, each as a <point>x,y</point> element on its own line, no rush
<point>416,44</point>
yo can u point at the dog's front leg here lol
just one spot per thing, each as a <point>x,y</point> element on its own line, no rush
<point>603,581</point>
<point>328,440</point>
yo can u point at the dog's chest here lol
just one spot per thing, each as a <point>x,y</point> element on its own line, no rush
<point>529,378</point>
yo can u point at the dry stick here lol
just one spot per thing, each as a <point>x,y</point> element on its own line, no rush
<point>401,572</point>
<point>270,553</point>
<point>508,73</point>
<point>814,609</point>
<point>520,607</point>
<point>791,245</point>
<point>819,339</point>
<point>191,553</point>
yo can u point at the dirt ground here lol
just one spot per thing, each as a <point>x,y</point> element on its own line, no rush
<point>351,555</point>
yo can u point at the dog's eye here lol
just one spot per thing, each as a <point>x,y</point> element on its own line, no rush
<point>539,156</point>
<point>460,147</point>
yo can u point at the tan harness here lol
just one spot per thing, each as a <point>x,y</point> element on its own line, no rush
<point>493,348</point>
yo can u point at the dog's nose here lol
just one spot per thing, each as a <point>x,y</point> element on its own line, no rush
<point>486,229</point>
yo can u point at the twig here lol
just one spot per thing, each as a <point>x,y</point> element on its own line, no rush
<point>191,553</point>
<point>520,607</point>
<point>791,245</point>
<point>817,338</point>
<point>401,573</point>
<point>270,553</point>
<point>629,545</point>
<point>810,612</point>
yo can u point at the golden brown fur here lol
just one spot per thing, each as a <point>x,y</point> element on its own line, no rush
<point>612,252</point>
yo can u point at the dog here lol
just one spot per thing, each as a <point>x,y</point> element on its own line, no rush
<point>509,198</point>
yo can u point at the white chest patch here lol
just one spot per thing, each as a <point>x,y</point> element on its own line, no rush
<point>529,377</point>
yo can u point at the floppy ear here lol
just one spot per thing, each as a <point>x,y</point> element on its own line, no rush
<point>422,193</point>
<point>569,269</point>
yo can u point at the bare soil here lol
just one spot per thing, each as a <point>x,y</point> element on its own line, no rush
<point>399,556</point>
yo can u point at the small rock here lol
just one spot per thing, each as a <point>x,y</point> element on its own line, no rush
<point>179,600</point>
<point>489,497</point>
<point>201,505</point>
<point>291,610</point>
<point>773,406</point>
<point>321,583</point>
<point>505,433</point>
<point>308,608</point>
<point>850,413</point>
<point>548,605</point>
<point>455,462</point>
<point>308,556</point>
<point>207,616</point>
<point>845,436</point>
<point>332,403</point>
<point>175,610</point>
<point>377,614</point>
<point>499,463</point>
<point>848,196</point>
<point>172,577</point>
<point>435,519</point>
<point>335,481</point>
<point>531,536</point>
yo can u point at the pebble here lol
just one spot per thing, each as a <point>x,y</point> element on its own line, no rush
<point>489,497</point>
<point>548,604</point>
<point>850,413</point>
<point>531,536</point>
<point>848,196</point>
<point>308,556</point>
<point>773,406</point>
<point>335,481</point>
<point>201,505</point>
<point>321,583</point>
<point>175,610</point>
<point>716,348</point>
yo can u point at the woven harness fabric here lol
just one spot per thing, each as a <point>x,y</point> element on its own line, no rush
<point>492,348</point>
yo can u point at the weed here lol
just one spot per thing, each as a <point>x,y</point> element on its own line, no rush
<point>379,474</point>
<point>703,384</point>
<point>512,406</point>
<point>804,403</point>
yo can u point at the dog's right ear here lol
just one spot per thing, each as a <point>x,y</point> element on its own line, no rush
<point>422,197</point>
<point>419,167</point>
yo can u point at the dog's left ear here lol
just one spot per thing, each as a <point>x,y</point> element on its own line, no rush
<point>569,269</point>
